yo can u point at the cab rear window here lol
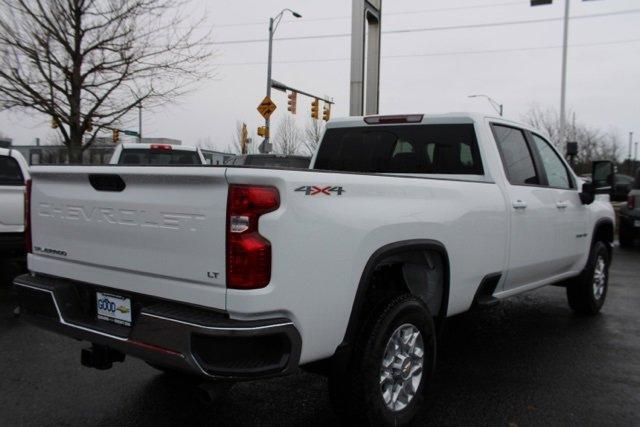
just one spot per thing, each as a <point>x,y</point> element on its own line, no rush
<point>419,149</point>
<point>10,173</point>
<point>146,157</point>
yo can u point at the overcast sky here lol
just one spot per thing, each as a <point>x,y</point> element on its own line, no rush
<point>431,71</point>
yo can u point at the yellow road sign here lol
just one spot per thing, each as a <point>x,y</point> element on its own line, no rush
<point>266,107</point>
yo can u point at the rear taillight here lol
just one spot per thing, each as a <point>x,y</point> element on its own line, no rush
<point>27,217</point>
<point>631,202</point>
<point>248,253</point>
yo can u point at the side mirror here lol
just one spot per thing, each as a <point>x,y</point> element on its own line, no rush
<point>602,181</point>
<point>587,195</point>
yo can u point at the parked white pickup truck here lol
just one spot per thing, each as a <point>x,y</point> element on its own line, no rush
<point>348,268</point>
<point>14,171</point>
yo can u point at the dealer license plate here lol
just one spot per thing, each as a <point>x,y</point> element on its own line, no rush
<point>113,308</point>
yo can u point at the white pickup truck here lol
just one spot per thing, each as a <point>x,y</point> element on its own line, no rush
<point>14,171</point>
<point>348,268</point>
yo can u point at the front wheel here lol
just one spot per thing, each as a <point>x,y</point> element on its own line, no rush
<point>390,367</point>
<point>588,292</point>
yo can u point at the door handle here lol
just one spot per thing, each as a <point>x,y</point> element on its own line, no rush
<point>519,204</point>
<point>562,205</point>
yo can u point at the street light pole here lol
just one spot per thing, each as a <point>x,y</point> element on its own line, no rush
<point>273,25</point>
<point>495,104</point>
<point>267,120</point>
<point>563,88</point>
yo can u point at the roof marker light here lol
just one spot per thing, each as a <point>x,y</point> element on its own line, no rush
<point>400,118</point>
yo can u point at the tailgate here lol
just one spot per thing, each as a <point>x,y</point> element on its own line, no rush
<point>163,234</point>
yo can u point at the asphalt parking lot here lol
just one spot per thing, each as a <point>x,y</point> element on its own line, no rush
<point>529,361</point>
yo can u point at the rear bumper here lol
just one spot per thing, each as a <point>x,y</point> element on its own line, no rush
<point>174,335</point>
<point>12,243</point>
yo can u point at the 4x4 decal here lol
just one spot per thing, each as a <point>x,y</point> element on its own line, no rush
<point>313,190</point>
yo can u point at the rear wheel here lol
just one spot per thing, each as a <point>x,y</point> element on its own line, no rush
<point>390,367</point>
<point>588,292</point>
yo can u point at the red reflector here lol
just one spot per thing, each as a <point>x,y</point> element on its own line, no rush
<point>631,202</point>
<point>161,147</point>
<point>248,253</point>
<point>27,217</point>
<point>248,261</point>
<point>155,348</point>
<point>404,118</point>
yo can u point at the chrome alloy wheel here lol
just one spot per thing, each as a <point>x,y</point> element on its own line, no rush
<point>599,277</point>
<point>401,370</point>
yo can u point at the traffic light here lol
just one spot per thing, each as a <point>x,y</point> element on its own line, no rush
<point>263,131</point>
<point>314,109</point>
<point>116,135</point>
<point>326,112</point>
<point>293,101</point>
<point>54,123</point>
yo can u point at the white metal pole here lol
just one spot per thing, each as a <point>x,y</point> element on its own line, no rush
<point>563,88</point>
<point>630,147</point>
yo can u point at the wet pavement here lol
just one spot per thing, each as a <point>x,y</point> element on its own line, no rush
<point>528,361</point>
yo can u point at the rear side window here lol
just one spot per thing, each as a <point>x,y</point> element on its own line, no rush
<point>557,173</point>
<point>419,149</point>
<point>146,157</point>
<point>10,173</point>
<point>516,156</point>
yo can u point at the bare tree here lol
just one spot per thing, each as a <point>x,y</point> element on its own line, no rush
<point>87,63</point>
<point>593,144</point>
<point>547,121</point>
<point>206,143</point>
<point>288,137</point>
<point>313,134</point>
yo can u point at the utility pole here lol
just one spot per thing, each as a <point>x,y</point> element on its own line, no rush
<point>630,146</point>
<point>139,122</point>
<point>563,89</point>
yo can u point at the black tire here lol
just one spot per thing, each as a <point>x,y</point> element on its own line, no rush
<point>357,391</point>
<point>583,295</point>
<point>623,236</point>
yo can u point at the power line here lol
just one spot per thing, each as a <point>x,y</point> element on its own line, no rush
<point>409,12</point>
<point>443,28</point>
<point>452,53</point>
